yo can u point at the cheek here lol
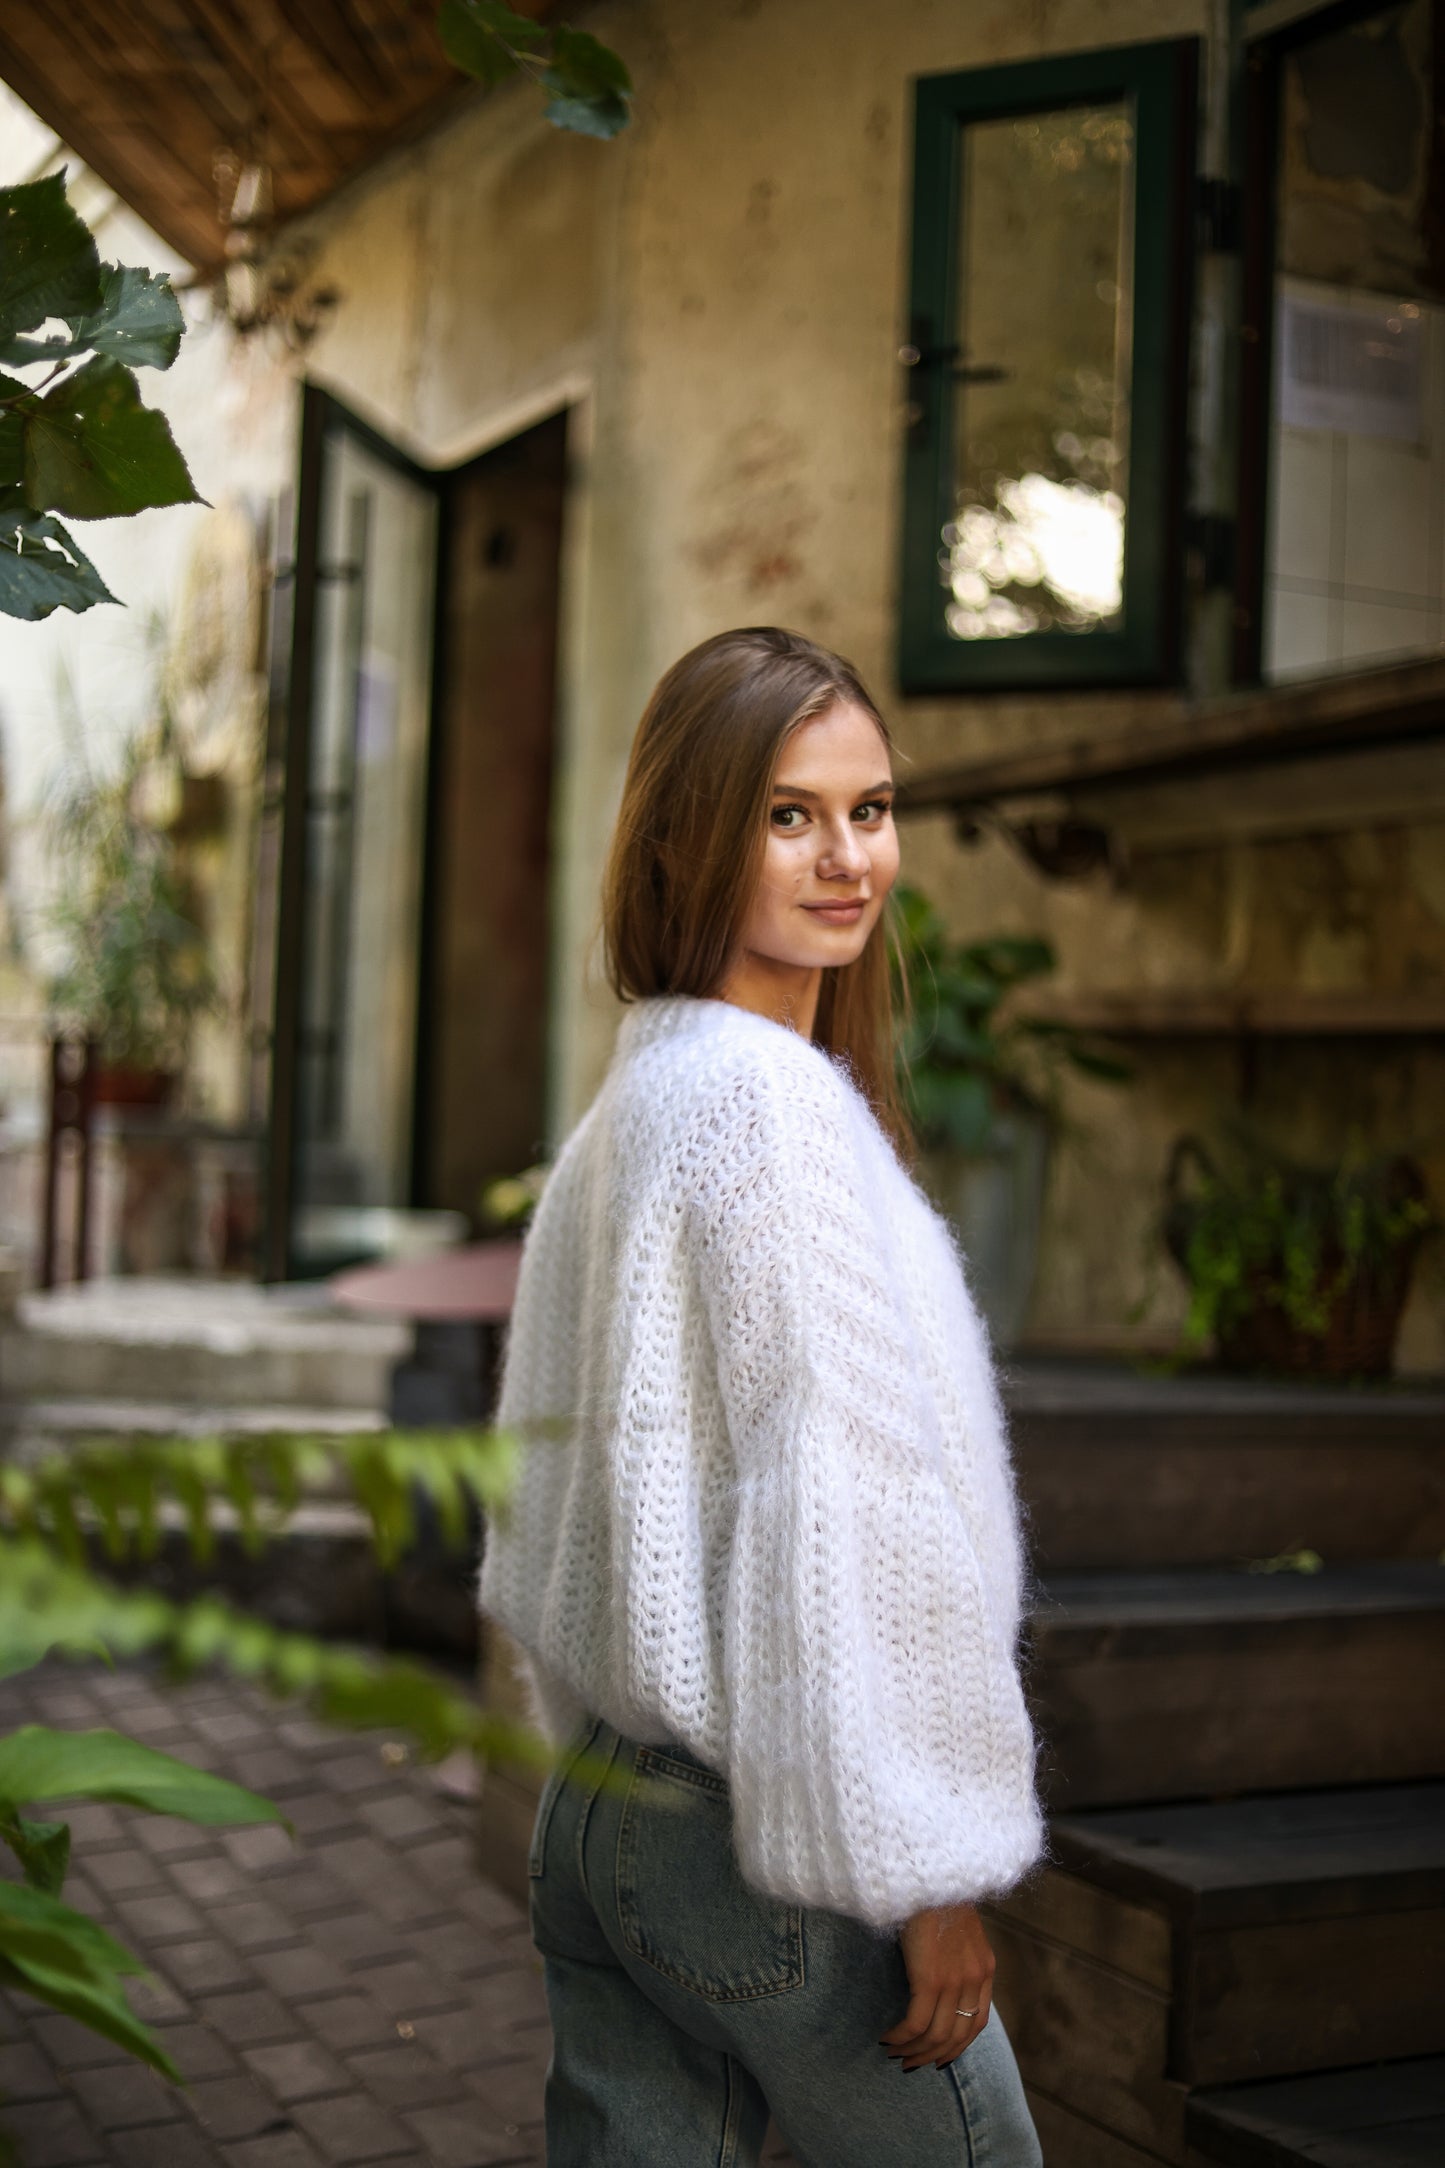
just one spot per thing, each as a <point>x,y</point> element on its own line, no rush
<point>884,856</point>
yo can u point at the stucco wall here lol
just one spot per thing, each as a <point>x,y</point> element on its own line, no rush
<point>718,297</point>
<point>720,294</point>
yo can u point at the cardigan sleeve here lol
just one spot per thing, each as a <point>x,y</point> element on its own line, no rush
<point>880,1756</point>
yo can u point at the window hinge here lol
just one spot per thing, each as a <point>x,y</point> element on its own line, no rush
<point>1209,539</point>
<point>1218,205</point>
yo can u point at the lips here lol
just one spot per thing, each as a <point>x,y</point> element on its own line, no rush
<point>839,914</point>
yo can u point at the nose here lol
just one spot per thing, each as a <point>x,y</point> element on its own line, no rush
<point>844,858</point>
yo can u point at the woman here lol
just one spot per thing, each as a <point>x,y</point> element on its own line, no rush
<point>764,1558</point>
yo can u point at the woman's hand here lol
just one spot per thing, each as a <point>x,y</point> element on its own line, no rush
<point>950,1971</point>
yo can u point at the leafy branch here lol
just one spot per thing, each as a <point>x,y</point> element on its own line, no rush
<point>587,87</point>
<point>79,440</point>
<point>122,1488</point>
<point>50,1600</point>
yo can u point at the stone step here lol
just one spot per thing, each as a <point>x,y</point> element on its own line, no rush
<point>1126,1470</point>
<point>1389,2115</point>
<point>1168,1948</point>
<point>1194,1683</point>
<point>212,1343</point>
<point>32,1422</point>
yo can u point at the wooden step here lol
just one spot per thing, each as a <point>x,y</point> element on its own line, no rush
<point>1390,2115</point>
<point>1120,1469</point>
<point>1172,1947</point>
<point>1193,1683</point>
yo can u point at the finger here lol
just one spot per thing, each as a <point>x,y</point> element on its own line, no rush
<point>953,2031</point>
<point>915,2020</point>
<point>927,2045</point>
<point>970,2028</point>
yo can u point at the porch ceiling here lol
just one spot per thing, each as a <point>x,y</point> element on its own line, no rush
<point>150,92</point>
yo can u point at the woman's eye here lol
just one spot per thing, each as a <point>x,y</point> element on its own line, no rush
<point>874,809</point>
<point>787,817</point>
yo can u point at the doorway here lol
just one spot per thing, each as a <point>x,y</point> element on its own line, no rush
<point>409,999</point>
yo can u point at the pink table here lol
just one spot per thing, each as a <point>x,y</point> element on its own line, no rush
<point>477,1283</point>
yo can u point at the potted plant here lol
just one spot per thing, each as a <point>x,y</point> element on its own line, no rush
<point>984,1089</point>
<point>1293,1268</point>
<point>135,974</point>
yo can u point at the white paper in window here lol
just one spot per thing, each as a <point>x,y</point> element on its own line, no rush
<point>1357,370</point>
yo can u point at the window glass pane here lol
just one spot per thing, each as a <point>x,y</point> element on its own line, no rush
<point>1354,574</point>
<point>366,809</point>
<point>1041,419</point>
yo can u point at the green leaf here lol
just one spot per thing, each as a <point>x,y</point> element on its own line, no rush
<point>139,322</point>
<point>17,398</point>
<point>483,39</point>
<point>42,1848</point>
<point>51,1951</point>
<point>94,451</point>
<point>955,1108</point>
<point>39,1764</point>
<point>583,66</point>
<point>1008,958</point>
<point>42,568</point>
<point>48,263</point>
<point>1107,1067</point>
<point>589,85</point>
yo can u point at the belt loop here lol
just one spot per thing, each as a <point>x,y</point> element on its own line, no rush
<point>607,1741</point>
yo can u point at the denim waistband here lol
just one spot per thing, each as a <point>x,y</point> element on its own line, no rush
<point>603,1736</point>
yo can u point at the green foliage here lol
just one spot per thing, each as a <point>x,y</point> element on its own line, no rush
<point>79,440</point>
<point>123,1488</point>
<point>137,973</point>
<point>588,89</point>
<point>58,1955</point>
<point>39,1766</point>
<point>1254,1227</point>
<point>511,1199</point>
<point>51,1600</point>
<point>42,568</point>
<point>962,1065</point>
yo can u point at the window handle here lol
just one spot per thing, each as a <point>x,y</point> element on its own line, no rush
<point>946,358</point>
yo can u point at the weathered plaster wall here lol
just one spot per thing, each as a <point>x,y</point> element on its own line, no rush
<point>184,576</point>
<point>721,294</point>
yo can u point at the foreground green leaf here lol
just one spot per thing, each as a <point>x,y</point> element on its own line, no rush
<point>42,568</point>
<point>48,261</point>
<point>590,87</point>
<point>483,39</point>
<point>38,1764</point>
<point>42,1848</point>
<point>341,1685</point>
<point>51,1951</point>
<point>94,451</point>
<point>138,322</point>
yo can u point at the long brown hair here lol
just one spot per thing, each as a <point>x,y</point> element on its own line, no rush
<point>687,852</point>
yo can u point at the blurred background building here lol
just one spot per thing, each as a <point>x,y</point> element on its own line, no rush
<point>1079,371</point>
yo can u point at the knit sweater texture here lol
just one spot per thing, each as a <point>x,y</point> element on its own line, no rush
<point>765,1508</point>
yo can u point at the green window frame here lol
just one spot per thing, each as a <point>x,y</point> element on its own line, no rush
<point>1158,83</point>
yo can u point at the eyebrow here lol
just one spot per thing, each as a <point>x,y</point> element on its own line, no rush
<point>795,790</point>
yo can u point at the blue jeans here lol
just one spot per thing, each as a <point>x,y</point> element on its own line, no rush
<point>684,2006</point>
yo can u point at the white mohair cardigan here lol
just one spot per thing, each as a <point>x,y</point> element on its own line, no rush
<point>766,1511</point>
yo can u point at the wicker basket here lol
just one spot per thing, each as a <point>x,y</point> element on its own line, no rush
<point>1362,1322</point>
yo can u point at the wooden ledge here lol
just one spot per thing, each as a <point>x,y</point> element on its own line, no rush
<point>1368,709</point>
<point>1285,1013</point>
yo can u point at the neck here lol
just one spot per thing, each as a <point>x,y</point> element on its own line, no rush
<point>784,993</point>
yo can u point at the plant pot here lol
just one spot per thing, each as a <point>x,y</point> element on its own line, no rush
<point>995,1202</point>
<point>1361,1318</point>
<point>1363,1323</point>
<point>119,1085</point>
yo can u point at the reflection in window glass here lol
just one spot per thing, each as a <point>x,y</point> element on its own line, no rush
<point>1355,566</point>
<point>1041,431</point>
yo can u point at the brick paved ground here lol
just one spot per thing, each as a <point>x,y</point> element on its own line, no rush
<point>360,1996</point>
